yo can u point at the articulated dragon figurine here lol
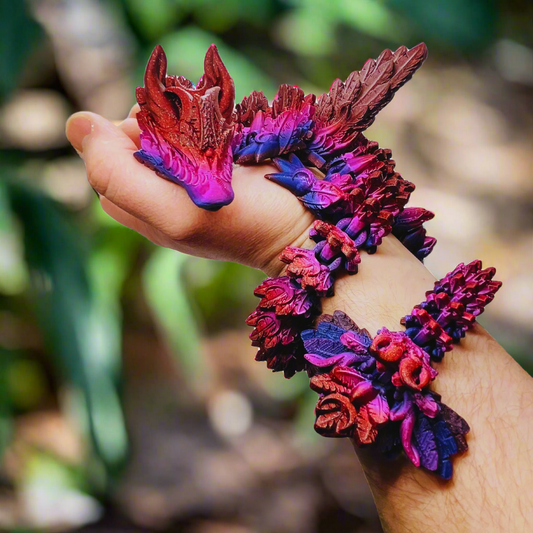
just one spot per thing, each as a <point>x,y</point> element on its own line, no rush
<point>372,390</point>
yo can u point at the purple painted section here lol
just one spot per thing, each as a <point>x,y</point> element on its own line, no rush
<point>206,189</point>
<point>186,129</point>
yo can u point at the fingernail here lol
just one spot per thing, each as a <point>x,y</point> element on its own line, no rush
<point>78,128</point>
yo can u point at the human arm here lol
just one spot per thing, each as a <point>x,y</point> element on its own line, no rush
<point>478,379</point>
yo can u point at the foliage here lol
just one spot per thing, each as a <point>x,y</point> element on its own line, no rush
<point>19,33</point>
<point>66,273</point>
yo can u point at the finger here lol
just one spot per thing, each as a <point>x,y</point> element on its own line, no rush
<point>148,231</point>
<point>114,173</point>
<point>132,114</point>
<point>131,128</point>
<point>133,111</point>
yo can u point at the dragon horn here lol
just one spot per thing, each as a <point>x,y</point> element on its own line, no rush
<point>216,75</point>
<point>154,90</point>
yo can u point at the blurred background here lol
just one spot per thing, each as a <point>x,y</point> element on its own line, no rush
<point>129,397</point>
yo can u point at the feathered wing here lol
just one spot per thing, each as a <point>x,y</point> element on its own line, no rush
<point>351,106</point>
<point>320,129</point>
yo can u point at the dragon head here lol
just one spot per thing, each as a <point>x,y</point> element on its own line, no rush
<point>186,129</point>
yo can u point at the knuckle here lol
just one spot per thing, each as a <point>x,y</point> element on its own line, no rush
<point>98,173</point>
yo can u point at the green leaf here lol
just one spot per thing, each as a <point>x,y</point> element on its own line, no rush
<point>297,31</point>
<point>13,271</point>
<point>166,294</point>
<point>373,18</point>
<point>468,25</point>
<point>19,34</point>
<point>76,326</point>
<point>305,419</point>
<point>285,389</point>
<point>219,17</point>
<point>6,417</point>
<point>222,291</point>
<point>27,383</point>
<point>154,18</point>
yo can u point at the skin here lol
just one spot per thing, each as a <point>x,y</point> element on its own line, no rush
<point>492,486</point>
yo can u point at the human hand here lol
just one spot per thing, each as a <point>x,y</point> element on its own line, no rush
<point>478,379</point>
<point>263,219</point>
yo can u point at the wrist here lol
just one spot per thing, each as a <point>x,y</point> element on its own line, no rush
<point>387,286</point>
<point>297,236</point>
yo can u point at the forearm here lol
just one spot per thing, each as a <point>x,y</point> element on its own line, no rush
<point>492,487</point>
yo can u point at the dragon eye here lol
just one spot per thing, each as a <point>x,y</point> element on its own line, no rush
<point>383,343</point>
<point>301,174</point>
